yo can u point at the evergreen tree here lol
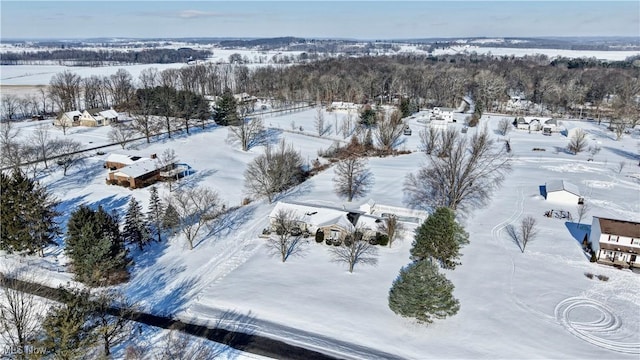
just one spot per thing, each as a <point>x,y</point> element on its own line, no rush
<point>28,211</point>
<point>226,109</point>
<point>68,329</point>
<point>422,293</point>
<point>155,214</point>
<point>171,218</point>
<point>440,238</point>
<point>95,247</point>
<point>136,228</point>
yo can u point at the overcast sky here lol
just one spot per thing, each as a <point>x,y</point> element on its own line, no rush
<point>320,19</point>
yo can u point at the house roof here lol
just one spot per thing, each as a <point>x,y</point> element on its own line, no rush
<point>71,114</point>
<point>93,111</point>
<point>370,222</point>
<point>109,114</point>
<point>318,216</point>
<point>619,227</point>
<point>126,159</point>
<point>137,169</point>
<point>561,185</point>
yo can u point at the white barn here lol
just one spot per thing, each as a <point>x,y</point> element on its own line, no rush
<point>561,191</point>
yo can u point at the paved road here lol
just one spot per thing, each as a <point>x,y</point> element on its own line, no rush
<point>243,341</point>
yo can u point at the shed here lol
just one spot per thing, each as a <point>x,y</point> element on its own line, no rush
<point>561,191</point>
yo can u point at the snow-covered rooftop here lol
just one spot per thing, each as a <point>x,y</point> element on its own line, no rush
<point>562,185</point>
<point>139,168</point>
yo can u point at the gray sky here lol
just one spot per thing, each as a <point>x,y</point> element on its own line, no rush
<point>350,19</point>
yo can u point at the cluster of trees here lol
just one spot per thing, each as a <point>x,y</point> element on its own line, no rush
<point>83,57</point>
<point>82,324</point>
<point>37,151</point>
<point>425,80</point>
<point>421,291</point>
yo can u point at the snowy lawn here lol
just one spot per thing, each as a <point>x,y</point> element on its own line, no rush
<point>536,304</point>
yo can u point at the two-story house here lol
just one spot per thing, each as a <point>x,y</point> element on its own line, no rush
<point>618,241</point>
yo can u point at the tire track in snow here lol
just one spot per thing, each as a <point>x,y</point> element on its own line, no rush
<point>607,324</point>
<point>498,237</point>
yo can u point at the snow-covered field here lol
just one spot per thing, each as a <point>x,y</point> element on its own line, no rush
<point>536,304</point>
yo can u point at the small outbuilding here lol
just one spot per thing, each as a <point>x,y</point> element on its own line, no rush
<point>561,191</point>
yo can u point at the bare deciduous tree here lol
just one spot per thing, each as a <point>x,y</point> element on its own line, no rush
<point>389,129</point>
<point>287,239</point>
<point>166,161</point>
<point>504,126</point>
<point>112,329</point>
<point>177,345</point>
<point>197,209</point>
<point>461,175</point>
<point>10,147</point>
<point>319,123</point>
<point>20,312</point>
<point>67,153</point>
<point>355,250</point>
<point>64,89</point>
<point>41,141</point>
<point>352,178</point>
<point>621,166</point>
<point>429,139</point>
<point>9,106</point>
<point>121,134</point>
<point>392,227</point>
<point>274,172</point>
<point>528,231</point>
<point>582,211</point>
<point>250,132</point>
<point>578,142</point>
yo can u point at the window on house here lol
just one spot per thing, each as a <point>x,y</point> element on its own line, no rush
<point>635,241</point>
<point>613,238</point>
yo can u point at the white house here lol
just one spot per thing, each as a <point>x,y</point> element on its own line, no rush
<point>336,223</point>
<point>618,241</point>
<point>98,117</point>
<point>69,118</point>
<point>561,191</point>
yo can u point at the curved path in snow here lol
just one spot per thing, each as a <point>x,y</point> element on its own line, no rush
<point>592,332</point>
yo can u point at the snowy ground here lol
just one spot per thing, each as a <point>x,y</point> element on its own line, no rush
<point>537,304</point>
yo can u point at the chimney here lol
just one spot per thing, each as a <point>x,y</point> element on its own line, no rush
<point>154,156</point>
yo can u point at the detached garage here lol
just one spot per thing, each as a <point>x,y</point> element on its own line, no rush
<point>561,191</point>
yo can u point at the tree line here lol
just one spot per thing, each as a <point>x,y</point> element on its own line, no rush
<point>83,57</point>
<point>563,86</point>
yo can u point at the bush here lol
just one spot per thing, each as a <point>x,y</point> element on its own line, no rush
<point>603,278</point>
<point>382,239</point>
<point>319,236</point>
<point>348,241</point>
<point>589,275</point>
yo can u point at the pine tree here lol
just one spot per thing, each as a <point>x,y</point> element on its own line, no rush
<point>422,293</point>
<point>440,238</point>
<point>155,214</point>
<point>68,329</point>
<point>95,246</point>
<point>28,215</point>
<point>171,218</point>
<point>226,109</point>
<point>136,228</point>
